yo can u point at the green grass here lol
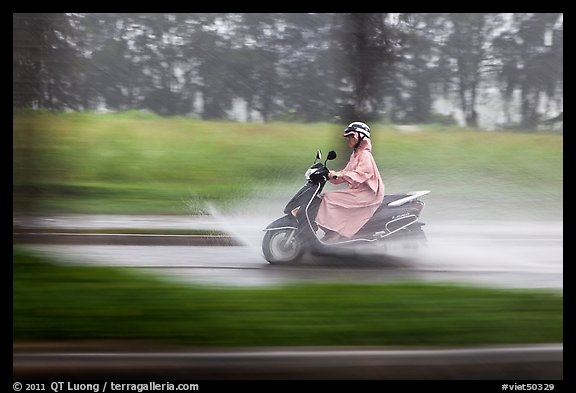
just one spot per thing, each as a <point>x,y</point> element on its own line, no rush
<point>141,163</point>
<point>59,302</point>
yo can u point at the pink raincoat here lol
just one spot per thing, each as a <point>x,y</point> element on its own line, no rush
<point>346,211</point>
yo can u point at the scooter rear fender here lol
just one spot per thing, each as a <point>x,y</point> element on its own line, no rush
<point>286,222</point>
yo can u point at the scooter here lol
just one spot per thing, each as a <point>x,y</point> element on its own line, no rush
<point>289,238</point>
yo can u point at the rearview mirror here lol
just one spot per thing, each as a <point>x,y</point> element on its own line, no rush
<point>331,155</point>
<point>318,155</point>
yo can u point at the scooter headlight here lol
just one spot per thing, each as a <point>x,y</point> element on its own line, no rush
<point>309,173</point>
<point>294,211</point>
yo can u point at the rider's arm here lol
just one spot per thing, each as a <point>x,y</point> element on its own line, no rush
<point>357,175</point>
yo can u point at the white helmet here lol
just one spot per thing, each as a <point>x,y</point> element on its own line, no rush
<point>358,127</point>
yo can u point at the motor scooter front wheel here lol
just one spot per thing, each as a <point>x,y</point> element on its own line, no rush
<point>281,246</point>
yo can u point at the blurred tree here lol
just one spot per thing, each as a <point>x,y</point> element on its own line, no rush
<point>137,61</point>
<point>365,47</point>
<point>27,54</point>
<point>467,47</point>
<point>166,63</point>
<point>42,56</point>
<point>531,55</point>
<point>541,66</point>
<point>306,69</point>
<point>212,49</point>
<point>420,68</point>
<point>292,66</point>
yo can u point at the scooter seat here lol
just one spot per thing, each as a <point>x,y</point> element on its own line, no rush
<point>387,199</point>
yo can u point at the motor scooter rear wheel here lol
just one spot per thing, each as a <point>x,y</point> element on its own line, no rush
<point>281,246</point>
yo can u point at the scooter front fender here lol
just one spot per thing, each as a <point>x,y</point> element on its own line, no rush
<point>286,222</point>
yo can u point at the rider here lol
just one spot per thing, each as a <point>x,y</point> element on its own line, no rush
<point>343,212</point>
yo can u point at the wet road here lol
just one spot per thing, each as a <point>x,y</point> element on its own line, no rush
<point>487,253</point>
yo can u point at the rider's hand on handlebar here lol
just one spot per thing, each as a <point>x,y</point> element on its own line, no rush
<point>332,175</point>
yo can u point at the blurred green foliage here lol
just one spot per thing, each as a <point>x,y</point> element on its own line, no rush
<point>58,302</point>
<point>137,162</point>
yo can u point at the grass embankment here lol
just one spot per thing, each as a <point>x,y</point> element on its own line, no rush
<point>140,163</point>
<point>55,302</point>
